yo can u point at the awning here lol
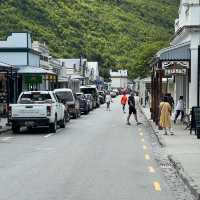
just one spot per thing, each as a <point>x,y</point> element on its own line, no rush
<point>175,53</point>
<point>33,70</point>
<point>7,67</point>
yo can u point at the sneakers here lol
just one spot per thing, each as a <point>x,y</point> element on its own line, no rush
<point>128,123</point>
<point>139,123</point>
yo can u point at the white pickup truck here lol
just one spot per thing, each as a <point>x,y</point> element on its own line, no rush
<point>37,108</point>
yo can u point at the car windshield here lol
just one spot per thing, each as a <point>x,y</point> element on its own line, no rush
<point>35,98</point>
<point>89,91</point>
<point>80,95</point>
<point>66,96</point>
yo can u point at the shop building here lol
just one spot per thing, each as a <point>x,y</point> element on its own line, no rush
<point>181,60</point>
<point>17,50</point>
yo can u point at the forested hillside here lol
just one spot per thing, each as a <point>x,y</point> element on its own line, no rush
<point>117,33</point>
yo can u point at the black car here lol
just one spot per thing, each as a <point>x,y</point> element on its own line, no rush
<point>83,102</point>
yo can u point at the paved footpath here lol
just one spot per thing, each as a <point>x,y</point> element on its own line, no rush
<point>97,157</point>
<point>184,151</point>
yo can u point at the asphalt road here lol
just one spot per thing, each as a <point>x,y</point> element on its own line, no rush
<point>97,157</point>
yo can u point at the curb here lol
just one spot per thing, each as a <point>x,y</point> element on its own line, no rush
<point>189,182</point>
<point>5,130</point>
<point>156,133</point>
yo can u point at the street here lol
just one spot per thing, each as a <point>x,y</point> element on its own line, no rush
<point>97,157</point>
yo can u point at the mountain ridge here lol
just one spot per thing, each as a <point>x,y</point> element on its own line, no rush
<point>116,33</point>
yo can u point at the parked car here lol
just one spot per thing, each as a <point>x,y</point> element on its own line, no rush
<point>91,89</point>
<point>67,97</point>
<point>90,101</point>
<point>116,91</point>
<point>84,105</point>
<point>113,94</point>
<point>37,108</point>
<point>102,97</point>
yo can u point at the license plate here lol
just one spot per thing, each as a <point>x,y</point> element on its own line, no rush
<point>29,123</point>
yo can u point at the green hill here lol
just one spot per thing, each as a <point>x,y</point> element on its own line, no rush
<point>117,33</point>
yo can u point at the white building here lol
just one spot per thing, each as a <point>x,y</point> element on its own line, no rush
<point>17,50</point>
<point>119,79</point>
<point>180,60</point>
<point>47,62</point>
<point>74,68</point>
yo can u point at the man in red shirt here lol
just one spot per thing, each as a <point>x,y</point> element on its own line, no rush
<point>124,100</point>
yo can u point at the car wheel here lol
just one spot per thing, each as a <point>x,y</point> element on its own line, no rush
<point>15,128</point>
<point>63,123</point>
<point>86,112</point>
<point>53,126</point>
<point>67,117</point>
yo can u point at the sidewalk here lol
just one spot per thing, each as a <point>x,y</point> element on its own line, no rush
<point>183,151</point>
<point>3,127</point>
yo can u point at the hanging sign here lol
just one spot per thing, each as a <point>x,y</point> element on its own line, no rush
<point>175,68</point>
<point>169,72</point>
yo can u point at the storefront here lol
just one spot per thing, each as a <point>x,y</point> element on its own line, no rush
<point>35,78</point>
<point>8,87</point>
<point>173,63</point>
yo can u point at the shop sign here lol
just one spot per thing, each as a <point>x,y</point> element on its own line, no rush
<point>33,79</point>
<point>169,72</point>
<point>175,64</point>
<point>51,78</point>
<point>175,68</point>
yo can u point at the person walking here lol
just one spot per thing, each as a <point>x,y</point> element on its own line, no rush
<point>165,115</point>
<point>124,100</point>
<point>108,101</point>
<point>179,109</point>
<point>132,109</point>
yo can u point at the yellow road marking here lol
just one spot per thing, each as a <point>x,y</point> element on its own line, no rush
<point>140,129</point>
<point>142,140</point>
<point>157,186</point>
<point>141,134</point>
<point>144,147</point>
<point>151,169</point>
<point>147,157</point>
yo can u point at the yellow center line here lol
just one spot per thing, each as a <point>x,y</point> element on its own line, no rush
<point>156,185</point>
<point>142,140</point>
<point>144,147</point>
<point>151,169</point>
<point>147,157</point>
<point>140,129</point>
<point>141,134</point>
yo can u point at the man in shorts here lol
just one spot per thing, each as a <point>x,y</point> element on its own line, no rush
<point>132,109</point>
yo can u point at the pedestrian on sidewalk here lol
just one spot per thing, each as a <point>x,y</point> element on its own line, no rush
<point>179,109</point>
<point>124,100</point>
<point>132,109</point>
<point>108,100</point>
<point>165,115</point>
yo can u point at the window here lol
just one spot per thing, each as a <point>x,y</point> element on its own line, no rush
<point>35,98</point>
